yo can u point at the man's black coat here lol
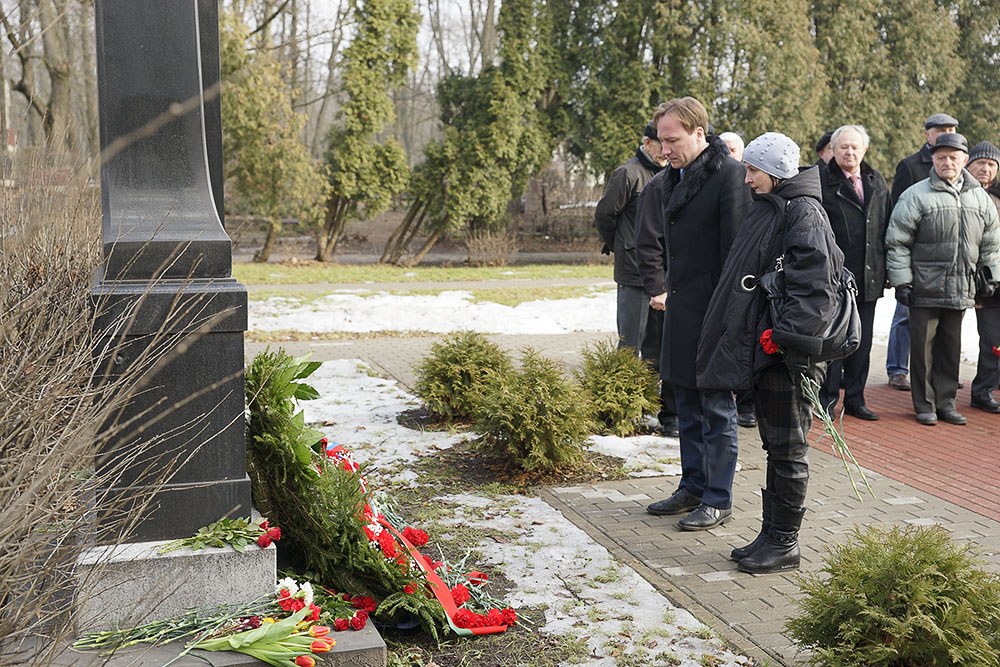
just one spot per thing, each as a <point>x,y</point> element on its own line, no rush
<point>859,228</point>
<point>911,169</point>
<point>684,228</point>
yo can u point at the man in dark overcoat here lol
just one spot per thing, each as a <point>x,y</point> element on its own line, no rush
<point>984,163</point>
<point>639,326</point>
<point>856,199</point>
<point>687,218</point>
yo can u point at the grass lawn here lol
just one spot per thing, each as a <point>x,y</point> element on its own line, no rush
<point>306,273</point>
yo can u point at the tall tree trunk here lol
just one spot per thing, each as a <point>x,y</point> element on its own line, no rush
<point>400,231</point>
<point>426,248</point>
<point>60,134</point>
<point>264,253</point>
<point>404,243</point>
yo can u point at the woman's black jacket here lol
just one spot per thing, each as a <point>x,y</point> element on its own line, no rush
<point>729,352</point>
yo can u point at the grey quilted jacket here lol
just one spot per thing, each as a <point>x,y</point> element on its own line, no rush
<point>938,238</point>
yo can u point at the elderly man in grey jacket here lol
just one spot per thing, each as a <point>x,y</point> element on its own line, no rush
<point>943,230</point>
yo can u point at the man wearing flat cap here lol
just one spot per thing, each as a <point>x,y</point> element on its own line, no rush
<point>984,161</point>
<point>943,231</point>
<point>910,170</point>
<point>639,326</point>
<point>824,151</point>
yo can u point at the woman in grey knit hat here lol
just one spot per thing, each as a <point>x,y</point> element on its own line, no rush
<point>743,349</point>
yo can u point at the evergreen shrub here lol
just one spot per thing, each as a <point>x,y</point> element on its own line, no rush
<point>900,596</point>
<point>622,388</point>
<point>450,380</point>
<point>533,414</point>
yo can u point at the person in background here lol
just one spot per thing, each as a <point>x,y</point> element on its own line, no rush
<point>856,200</point>
<point>639,326</point>
<point>823,149</point>
<point>744,399</point>
<point>910,170</point>
<point>943,231</point>
<point>687,219</point>
<point>734,143</point>
<point>786,224</point>
<point>984,161</point>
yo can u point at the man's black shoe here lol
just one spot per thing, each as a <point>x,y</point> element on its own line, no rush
<point>669,427</point>
<point>952,417</point>
<point>927,418</point>
<point>861,412</point>
<point>681,502</point>
<point>986,405</point>
<point>746,420</point>
<point>704,518</point>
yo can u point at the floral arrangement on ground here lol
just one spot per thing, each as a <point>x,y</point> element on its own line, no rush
<point>333,526</point>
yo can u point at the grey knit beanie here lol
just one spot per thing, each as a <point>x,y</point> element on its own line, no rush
<point>774,154</point>
<point>984,150</point>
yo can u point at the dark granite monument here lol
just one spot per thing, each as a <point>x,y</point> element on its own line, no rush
<point>168,259</point>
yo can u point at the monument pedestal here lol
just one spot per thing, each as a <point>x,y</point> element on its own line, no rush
<point>132,584</point>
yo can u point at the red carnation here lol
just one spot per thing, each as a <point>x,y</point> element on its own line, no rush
<point>770,347</point>
<point>494,617</point>
<point>286,604</point>
<point>463,618</point>
<point>509,616</point>
<point>478,621</point>
<point>315,613</point>
<point>387,543</point>
<point>347,598</point>
<point>996,350</point>
<point>341,624</point>
<point>415,536</point>
<point>409,589</point>
<point>460,594</point>
<point>298,604</point>
<point>358,623</point>
<point>476,577</point>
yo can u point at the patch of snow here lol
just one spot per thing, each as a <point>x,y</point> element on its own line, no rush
<point>445,312</point>
<point>645,455</point>
<point>359,412</point>
<point>585,591</point>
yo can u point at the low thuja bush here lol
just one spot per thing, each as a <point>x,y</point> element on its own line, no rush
<point>621,387</point>
<point>450,379</point>
<point>901,597</point>
<point>534,415</point>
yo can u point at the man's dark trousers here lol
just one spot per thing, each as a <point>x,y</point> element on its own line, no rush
<point>707,422</point>
<point>935,350</point>
<point>640,327</point>
<point>855,367</point>
<point>988,369</point>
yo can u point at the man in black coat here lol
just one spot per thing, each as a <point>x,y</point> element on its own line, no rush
<point>911,169</point>
<point>687,218</point>
<point>856,199</point>
<point>639,326</point>
<point>984,164</point>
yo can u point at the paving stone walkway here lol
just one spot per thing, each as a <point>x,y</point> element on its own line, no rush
<point>946,475</point>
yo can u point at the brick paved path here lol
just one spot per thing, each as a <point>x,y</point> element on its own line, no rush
<point>921,475</point>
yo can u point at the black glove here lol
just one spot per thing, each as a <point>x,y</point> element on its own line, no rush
<point>904,295</point>
<point>797,362</point>
<point>605,250</point>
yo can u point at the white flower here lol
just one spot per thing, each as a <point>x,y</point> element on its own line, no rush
<point>289,584</point>
<point>307,591</point>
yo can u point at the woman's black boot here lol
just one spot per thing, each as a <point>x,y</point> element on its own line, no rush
<point>780,550</point>
<point>765,524</point>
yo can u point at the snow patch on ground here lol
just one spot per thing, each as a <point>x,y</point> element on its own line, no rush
<point>585,591</point>
<point>359,411</point>
<point>448,311</point>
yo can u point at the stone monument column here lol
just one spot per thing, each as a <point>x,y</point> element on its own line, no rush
<point>165,250</point>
